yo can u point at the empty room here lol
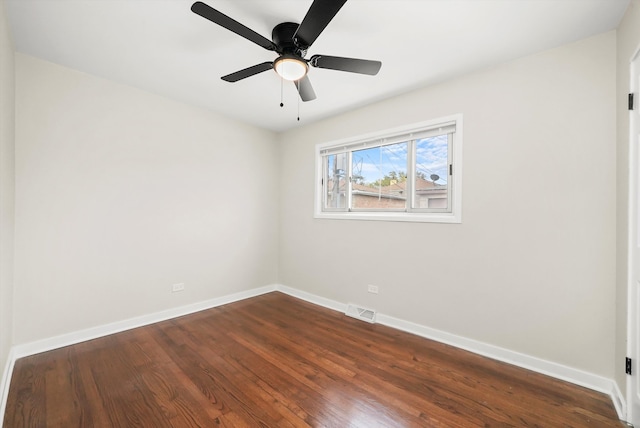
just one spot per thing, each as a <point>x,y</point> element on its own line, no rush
<point>327,213</point>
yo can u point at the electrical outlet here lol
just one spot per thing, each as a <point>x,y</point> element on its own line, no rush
<point>177,287</point>
<point>372,289</point>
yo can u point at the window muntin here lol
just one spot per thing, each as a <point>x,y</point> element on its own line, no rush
<point>406,174</point>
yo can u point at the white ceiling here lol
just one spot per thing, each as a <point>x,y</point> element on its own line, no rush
<point>162,47</point>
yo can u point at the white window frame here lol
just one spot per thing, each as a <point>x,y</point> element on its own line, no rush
<point>390,136</point>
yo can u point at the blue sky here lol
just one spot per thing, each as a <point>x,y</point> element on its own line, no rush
<point>431,158</point>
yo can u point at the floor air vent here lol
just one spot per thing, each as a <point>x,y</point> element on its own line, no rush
<point>368,315</point>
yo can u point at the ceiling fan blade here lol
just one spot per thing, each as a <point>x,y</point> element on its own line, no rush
<point>315,21</point>
<point>352,65</point>
<point>230,24</point>
<point>305,89</point>
<point>248,72</point>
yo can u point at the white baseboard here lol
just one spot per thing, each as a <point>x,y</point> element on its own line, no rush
<point>312,298</point>
<point>559,371</point>
<point>549,368</point>
<point>6,381</point>
<point>619,401</point>
<point>104,330</point>
<point>31,348</point>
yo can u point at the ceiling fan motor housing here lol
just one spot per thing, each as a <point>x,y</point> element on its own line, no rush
<point>282,36</point>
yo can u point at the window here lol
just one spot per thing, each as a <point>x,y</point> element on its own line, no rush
<point>411,173</point>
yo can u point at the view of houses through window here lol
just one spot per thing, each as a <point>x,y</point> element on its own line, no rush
<point>401,176</point>
<point>409,173</point>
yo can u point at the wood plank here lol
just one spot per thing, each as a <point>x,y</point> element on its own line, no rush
<point>66,409</point>
<point>276,361</point>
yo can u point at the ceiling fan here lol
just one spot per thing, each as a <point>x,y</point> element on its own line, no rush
<point>291,41</point>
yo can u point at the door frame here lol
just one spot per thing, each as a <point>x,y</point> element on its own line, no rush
<point>632,411</point>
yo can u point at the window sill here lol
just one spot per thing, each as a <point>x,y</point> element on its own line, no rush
<point>387,216</point>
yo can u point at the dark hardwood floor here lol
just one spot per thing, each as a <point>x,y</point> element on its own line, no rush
<point>275,361</point>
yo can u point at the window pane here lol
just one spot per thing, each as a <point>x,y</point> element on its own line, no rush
<point>379,177</point>
<point>432,173</point>
<point>335,177</point>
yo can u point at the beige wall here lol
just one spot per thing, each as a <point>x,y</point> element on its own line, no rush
<point>532,266</point>
<point>7,146</point>
<point>628,40</point>
<point>121,193</point>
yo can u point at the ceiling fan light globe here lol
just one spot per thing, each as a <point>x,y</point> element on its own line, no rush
<point>291,68</point>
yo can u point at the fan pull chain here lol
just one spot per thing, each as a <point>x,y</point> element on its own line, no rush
<point>281,91</point>
<point>298,108</point>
